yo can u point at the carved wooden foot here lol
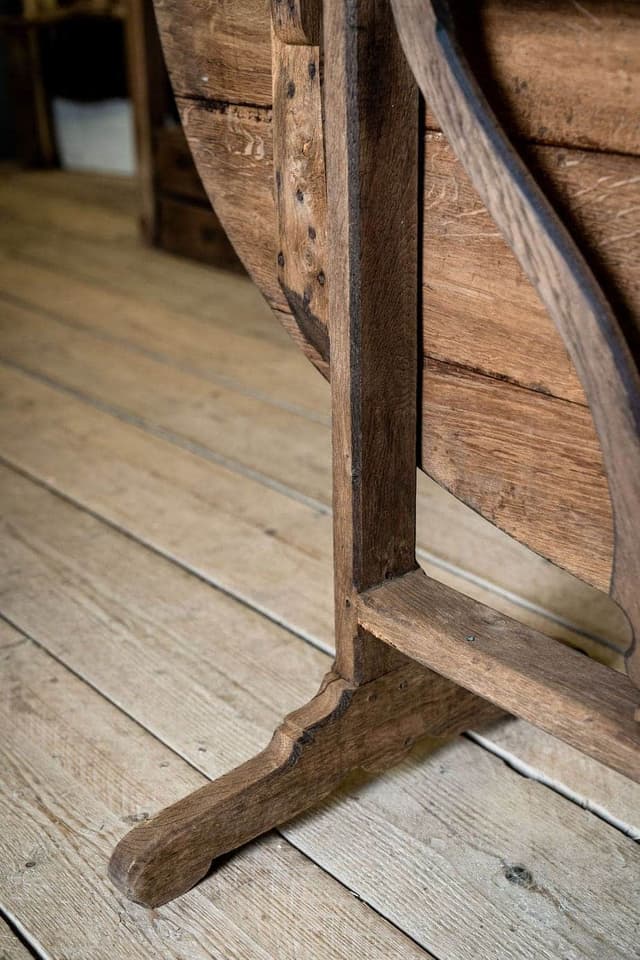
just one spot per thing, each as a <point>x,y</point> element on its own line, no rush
<point>344,727</point>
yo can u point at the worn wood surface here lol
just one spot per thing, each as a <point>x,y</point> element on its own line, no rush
<point>498,818</point>
<point>300,188</point>
<point>343,728</point>
<point>147,76</point>
<point>596,339</point>
<point>291,450</point>
<point>191,230</point>
<point>529,464</point>
<point>564,73</point>
<point>479,309</point>
<point>161,626</point>
<point>175,170</point>
<point>372,205</point>
<point>10,947</point>
<point>77,771</point>
<point>453,301</point>
<point>526,673</point>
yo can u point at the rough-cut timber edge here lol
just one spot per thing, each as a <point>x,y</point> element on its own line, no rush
<point>522,671</point>
<point>550,258</point>
<point>345,727</point>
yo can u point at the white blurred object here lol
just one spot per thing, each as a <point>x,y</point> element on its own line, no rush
<point>95,136</point>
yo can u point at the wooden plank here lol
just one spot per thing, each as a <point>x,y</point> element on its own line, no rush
<point>453,883</point>
<point>560,73</point>
<point>526,673</point>
<point>294,451</point>
<point>245,537</point>
<point>198,328</point>
<point>10,947</point>
<point>480,311</point>
<point>104,191</point>
<point>564,74</point>
<point>190,230</point>
<point>593,786</point>
<point>218,51</point>
<point>69,213</point>
<point>530,464</point>
<point>372,206</point>
<point>77,770</point>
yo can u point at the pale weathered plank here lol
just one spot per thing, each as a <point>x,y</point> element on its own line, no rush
<point>446,881</point>
<point>10,947</point>
<point>591,785</point>
<point>209,340</point>
<point>68,210</point>
<point>245,537</point>
<point>77,771</point>
<point>87,454</point>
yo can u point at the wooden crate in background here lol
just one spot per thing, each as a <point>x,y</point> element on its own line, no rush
<point>176,214</point>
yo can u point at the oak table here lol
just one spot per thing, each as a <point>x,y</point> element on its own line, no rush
<point>475,306</point>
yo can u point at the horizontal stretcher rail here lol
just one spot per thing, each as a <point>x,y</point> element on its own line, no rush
<point>522,671</point>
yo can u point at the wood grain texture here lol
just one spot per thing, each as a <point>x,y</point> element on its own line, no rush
<point>76,772</point>
<point>69,577</point>
<point>560,73</point>
<point>528,463</point>
<point>299,178</point>
<point>297,22</point>
<point>384,839</point>
<point>10,947</point>
<point>194,231</point>
<point>372,202</point>
<point>147,78</point>
<point>233,150</point>
<point>543,757</point>
<point>290,449</point>
<point>524,672</point>
<point>218,51</point>
<point>480,311</point>
<point>593,335</point>
<point>343,728</point>
<point>476,299</point>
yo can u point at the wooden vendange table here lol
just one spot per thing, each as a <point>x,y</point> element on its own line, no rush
<point>309,133</point>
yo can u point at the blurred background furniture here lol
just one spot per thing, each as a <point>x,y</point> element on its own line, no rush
<point>71,66</point>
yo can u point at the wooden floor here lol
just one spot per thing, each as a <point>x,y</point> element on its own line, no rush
<point>164,484</point>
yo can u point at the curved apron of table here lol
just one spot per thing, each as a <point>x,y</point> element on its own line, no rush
<point>505,423</point>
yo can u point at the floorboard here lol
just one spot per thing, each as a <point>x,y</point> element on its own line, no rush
<point>156,507</point>
<point>76,773</point>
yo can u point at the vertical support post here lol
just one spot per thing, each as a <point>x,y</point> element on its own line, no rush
<point>372,156</point>
<point>148,90</point>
